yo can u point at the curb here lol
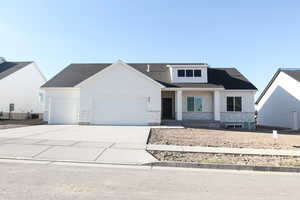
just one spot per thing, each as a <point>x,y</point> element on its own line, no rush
<point>49,161</point>
<point>228,167</point>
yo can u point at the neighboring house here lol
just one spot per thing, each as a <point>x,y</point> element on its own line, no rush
<point>148,94</point>
<point>279,103</point>
<point>20,84</point>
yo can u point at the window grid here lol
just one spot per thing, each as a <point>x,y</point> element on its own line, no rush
<point>234,104</point>
<point>194,104</point>
<point>189,73</point>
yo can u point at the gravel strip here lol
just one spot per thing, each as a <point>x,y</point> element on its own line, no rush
<point>224,138</point>
<point>205,158</point>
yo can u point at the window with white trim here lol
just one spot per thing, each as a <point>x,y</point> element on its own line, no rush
<point>189,73</point>
<point>194,104</point>
<point>234,104</point>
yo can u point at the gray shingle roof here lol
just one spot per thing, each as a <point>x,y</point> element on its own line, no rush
<point>228,78</point>
<point>8,68</point>
<point>294,73</point>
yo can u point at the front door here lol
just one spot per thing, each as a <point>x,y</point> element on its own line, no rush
<point>167,108</point>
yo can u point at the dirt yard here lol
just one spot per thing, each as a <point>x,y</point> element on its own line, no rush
<point>204,158</point>
<point>6,124</point>
<point>224,138</point>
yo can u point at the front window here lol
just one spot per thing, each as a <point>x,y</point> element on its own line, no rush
<point>194,104</point>
<point>181,73</point>
<point>234,104</point>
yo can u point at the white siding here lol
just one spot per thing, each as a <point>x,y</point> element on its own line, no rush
<point>207,100</point>
<point>248,109</point>
<point>207,106</point>
<point>22,88</point>
<point>246,115</point>
<point>278,103</point>
<point>119,81</point>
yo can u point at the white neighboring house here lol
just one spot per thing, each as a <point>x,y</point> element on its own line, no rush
<point>279,103</point>
<point>149,93</point>
<point>20,90</point>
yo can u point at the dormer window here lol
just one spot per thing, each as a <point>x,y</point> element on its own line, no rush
<point>181,73</point>
<point>197,73</point>
<point>189,73</point>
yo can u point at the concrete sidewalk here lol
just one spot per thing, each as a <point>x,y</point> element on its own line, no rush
<point>246,151</point>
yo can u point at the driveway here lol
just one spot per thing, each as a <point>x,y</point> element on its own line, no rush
<point>101,144</point>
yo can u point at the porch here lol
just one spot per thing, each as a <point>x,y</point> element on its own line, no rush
<point>195,107</point>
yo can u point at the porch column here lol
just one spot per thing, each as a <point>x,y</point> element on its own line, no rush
<point>178,105</point>
<point>217,106</point>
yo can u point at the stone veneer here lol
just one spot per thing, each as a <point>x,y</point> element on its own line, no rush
<point>197,115</point>
<point>237,116</point>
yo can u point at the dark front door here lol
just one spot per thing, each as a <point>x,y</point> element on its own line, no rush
<point>167,108</point>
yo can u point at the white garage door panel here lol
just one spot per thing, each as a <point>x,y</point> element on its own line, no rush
<point>64,112</point>
<point>120,111</point>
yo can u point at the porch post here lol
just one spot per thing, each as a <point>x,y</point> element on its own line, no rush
<point>179,105</point>
<point>217,106</point>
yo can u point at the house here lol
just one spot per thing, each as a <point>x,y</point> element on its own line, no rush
<point>20,84</point>
<point>279,103</point>
<point>148,94</point>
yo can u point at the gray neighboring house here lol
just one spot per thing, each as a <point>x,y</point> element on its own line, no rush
<point>149,93</point>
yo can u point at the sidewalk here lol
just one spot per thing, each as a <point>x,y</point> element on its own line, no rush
<point>200,149</point>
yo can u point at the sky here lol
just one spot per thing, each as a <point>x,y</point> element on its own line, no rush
<point>256,37</point>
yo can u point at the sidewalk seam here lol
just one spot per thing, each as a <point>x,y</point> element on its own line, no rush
<point>42,151</point>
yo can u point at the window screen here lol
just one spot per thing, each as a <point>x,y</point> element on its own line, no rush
<point>198,104</point>
<point>238,104</point>
<point>230,104</point>
<point>190,104</point>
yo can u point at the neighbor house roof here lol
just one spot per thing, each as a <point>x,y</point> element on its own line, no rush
<point>292,72</point>
<point>228,78</point>
<point>7,68</point>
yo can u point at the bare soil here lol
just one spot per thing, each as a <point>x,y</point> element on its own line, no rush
<point>224,138</point>
<point>7,124</point>
<point>205,158</point>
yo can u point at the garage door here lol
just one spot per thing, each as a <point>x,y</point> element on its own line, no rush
<point>64,112</point>
<point>120,111</point>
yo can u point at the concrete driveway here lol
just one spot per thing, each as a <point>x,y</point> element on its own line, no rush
<point>101,144</point>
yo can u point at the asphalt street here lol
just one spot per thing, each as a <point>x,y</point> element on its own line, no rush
<point>30,181</point>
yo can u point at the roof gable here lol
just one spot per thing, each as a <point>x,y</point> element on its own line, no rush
<point>121,63</point>
<point>8,68</point>
<point>294,73</point>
